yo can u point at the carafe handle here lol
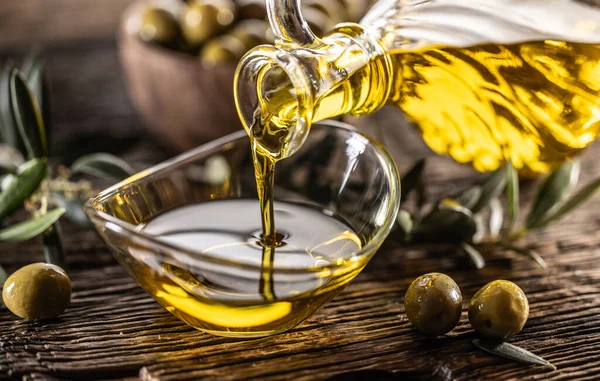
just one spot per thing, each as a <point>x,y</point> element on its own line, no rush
<point>288,24</point>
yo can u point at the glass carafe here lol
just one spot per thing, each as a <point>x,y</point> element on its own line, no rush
<point>484,81</point>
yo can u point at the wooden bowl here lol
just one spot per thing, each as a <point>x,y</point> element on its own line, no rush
<point>181,102</point>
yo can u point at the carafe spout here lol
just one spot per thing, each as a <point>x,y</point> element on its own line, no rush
<point>281,89</point>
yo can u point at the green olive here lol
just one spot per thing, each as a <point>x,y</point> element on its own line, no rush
<point>221,49</point>
<point>433,304</point>
<point>252,9</point>
<point>251,32</point>
<point>37,291</point>
<point>203,19</point>
<point>158,25</point>
<point>498,310</point>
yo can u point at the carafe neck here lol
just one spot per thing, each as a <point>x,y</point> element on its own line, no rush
<point>293,85</point>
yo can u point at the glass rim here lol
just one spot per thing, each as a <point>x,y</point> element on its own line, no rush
<point>124,228</point>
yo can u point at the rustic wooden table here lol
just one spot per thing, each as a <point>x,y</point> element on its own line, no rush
<point>113,330</point>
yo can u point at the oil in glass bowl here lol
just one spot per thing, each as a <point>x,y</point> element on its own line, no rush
<point>258,300</point>
<point>191,232</point>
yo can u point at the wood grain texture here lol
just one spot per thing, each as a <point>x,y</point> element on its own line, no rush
<point>49,21</point>
<point>114,331</point>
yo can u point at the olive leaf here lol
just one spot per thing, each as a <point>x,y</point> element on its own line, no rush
<point>74,210</point>
<point>10,132</point>
<point>481,232</point>
<point>512,195</point>
<point>31,60</point>
<point>490,188</point>
<point>561,181</point>
<point>529,253</point>
<point>30,228</point>
<point>573,202</point>
<point>34,71</point>
<point>31,70</point>
<point>405,222</point>
<point>27,116</point>
<point>103,165</point>
<point>10,159</point>
<point>17,188</point>
<point>496,217</point>
<point>512,352</point>
<point>3,276</point>
<point>5,180</point>
<point>53,247</point>
<point>469,197</point>
<point>474,255</point>
<point>448,222</point>
<point>411,179</point>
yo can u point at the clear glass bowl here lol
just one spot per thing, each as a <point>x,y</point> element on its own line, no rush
<point>338,171</point>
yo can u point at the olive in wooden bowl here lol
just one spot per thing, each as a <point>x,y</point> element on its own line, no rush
<point>180,101</point>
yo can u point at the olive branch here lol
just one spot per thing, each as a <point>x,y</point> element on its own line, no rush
<point>474,216</point>
<point>27,181</point>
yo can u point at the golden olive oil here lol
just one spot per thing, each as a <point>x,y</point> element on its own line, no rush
<point>536,103</point>
<point>269,239</point>
<point>263,294</point>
